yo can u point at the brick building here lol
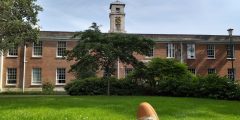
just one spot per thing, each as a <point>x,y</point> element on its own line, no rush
<point>27,68</point>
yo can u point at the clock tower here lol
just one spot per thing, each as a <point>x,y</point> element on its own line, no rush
<point>117,17</point>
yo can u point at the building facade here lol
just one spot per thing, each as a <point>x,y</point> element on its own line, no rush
<point>26,68</point>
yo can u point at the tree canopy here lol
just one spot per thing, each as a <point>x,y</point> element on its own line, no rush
<point>159,69</point>
<point>18,22</point>
<point>101,51</point>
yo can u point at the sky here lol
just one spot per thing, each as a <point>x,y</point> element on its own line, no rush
<point>211,17</point>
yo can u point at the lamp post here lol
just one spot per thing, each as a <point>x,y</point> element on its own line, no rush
<point>230,31</point>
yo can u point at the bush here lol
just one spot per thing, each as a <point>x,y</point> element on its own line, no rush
<point>214,86</point>
<point>98,86</point>
<point>165,77</point>
<point>47,88</point>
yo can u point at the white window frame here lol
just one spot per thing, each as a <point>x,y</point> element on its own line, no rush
<point>191,51</point>
<point>7,79</point>
<point>228,47</point>
<point>40,72</point>
<point>15,48</point>
<point>191,70</point>
<point>57,80</point>
<point>152,53</point>
<point>37,46</point>
<point>212,69</point>
<point>211,49</point>
<point>230,75</point>
<point>170,50</point>
<point>58,56</point>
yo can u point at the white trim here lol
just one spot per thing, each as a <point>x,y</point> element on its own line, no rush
<point>57,50</point>
<point>36,56</point>
<point>7,84</point>
<point>57,77</point>
<point>12,56</point>
<point>32,78</point>
<point>211,58</point>
<point>24,67</point>
<point>1,73</point>
<point>214,51</point>
<point>191,54</point>
<point>234,57</point>
<point>170,50</point>
<point>231,58</point>
<point>153,51</point>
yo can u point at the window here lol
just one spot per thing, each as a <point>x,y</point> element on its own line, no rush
<point>230,51</point>
<point>192,70</point>
<point>231,74</point>
<point>11,76</point>
<point>61,48</point>
<point>37,49</point>
<point>127,71</point>
<point>170,50</point>
<point>150,53</point>
<point>211,71</point>
<point>36,76</point>
<point>191,51</point>
<point>13,52</point>
<point>61,75</point>
<point>211,51</point>
<point>106,72</point>
<point>118,10</point>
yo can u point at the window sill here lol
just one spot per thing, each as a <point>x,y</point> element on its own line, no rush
<point>36,84</point>
<point>170,57</point>
<point>11,85</point>
<point>191,58</point>
<point>145,61</point>
<point>37,57</point>
<point>148,57</point>
<point>60,57</point>
<point>9,56</point>
<point>58,84</point>
<point>211,58</point>
<point>231,58</point>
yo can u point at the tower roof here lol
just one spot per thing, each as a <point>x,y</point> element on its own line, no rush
<point>117,3</point>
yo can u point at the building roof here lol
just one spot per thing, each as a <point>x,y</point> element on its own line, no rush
<point>117,3</point>
<point>185,38</point>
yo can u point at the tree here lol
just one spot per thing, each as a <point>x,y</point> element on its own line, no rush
<point>101,51</point>
<point>18,22</point>
<point>159,69</point>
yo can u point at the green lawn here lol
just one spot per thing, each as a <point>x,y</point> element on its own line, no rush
<point>113,108</point>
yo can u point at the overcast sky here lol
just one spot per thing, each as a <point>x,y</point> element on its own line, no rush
<point>145,16</point>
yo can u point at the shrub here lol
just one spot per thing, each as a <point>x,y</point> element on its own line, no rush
<point>98,86</point>
<point>47,88</point>
<point>214,86</point>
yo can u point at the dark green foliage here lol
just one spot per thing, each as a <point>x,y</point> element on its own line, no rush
<point>100,51</point>
<point>98,86</point>
<point>217,87</point>
<point>162,77</point>
<point>47,88</point>
<point>18,22</point>
<point>158,70</point>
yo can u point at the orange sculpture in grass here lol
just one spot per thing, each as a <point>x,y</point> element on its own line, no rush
<point>146,112</point>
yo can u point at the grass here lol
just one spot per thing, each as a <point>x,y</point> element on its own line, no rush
<point>113,108</point>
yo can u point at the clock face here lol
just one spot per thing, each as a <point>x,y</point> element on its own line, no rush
<point>118,20</point>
